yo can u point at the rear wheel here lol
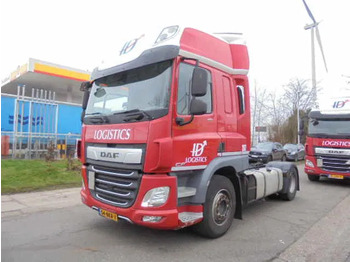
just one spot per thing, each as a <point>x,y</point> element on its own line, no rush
<point>313,177</point>
<point>219,208</point>
<point>292,188</point>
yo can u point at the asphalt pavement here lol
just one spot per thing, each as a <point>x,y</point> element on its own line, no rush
<point>325,238</point>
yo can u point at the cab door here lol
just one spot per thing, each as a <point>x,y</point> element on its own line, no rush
<point>195,141</point>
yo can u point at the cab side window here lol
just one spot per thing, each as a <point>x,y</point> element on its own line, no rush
<point>184,92</point>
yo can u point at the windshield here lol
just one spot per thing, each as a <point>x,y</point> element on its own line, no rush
<point>264,146</point>
<point>145,89</point>
<point>329,128</point>
<point>290,147</point>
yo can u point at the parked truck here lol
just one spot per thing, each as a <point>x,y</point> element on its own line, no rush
<point>166,134</point>
<point>328,140</point>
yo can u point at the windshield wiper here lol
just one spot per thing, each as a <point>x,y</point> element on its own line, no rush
<point>94,113</point>
<point>135,114</point>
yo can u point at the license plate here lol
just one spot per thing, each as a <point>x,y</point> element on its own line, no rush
<point>108,214</point>
<point>336,176</point>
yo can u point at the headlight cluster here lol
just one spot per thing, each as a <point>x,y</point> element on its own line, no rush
<point>156,197</point>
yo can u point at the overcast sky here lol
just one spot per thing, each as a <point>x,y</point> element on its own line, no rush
<point>77,33</point>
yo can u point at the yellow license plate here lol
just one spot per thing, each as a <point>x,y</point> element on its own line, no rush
<point>108,215</point>
<point>336,176</point>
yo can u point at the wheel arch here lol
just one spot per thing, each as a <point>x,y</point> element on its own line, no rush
<point>228,167</point>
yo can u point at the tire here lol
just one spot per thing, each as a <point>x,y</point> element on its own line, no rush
<point>284,158</point>
<point>219,208</point>
<point>292,187</point>
<point>269,159</point>
<point>313,178</point>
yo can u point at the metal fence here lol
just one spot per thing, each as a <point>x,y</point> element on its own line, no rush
<point>37,146</point>
<point>35,123</point>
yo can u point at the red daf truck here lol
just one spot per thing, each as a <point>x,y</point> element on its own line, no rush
<point>166,134</point>
<point>328,141</point>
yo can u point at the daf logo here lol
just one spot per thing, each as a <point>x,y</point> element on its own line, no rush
<point>335,152</point>
<point>109,155</point>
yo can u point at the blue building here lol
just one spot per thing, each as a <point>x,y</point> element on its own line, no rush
<point>41,103</point>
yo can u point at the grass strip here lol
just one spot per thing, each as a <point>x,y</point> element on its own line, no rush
<point>20,175</point>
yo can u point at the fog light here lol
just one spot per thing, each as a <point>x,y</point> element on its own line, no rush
<point>309,163</point>
<point>151,219</point>
<point>156,197</point>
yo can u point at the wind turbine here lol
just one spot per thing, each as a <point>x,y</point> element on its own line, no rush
<point>314,28</point>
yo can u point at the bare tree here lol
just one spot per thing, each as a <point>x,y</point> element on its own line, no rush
<point>260,110</point>
<point>299,94</point>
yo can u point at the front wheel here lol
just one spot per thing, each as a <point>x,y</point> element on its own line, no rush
<point>269,159</point>
<point>219,208</point>
<point>284,158</point>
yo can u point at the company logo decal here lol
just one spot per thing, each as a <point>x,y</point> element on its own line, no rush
<point>128,46</point>
<point>336,143</point>
<point>196,154</point>
<point>340,104</point>
<point>109,134</point>
<point>198,148</point>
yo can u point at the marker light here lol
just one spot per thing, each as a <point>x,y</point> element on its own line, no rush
<point>156,197</point>
<point>167,33</point>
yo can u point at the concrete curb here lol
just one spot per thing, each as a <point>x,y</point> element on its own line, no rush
<point>327,240</point>
<point>26,203</point>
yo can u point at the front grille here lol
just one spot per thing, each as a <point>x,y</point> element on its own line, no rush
<point>114,186</point>
<point>339,164</point>
<point>255,153</point>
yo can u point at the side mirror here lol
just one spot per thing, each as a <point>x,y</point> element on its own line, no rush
<point>199,82</point>
<point>198,107</point>
<point>85,99</point>
<point>85,86</point>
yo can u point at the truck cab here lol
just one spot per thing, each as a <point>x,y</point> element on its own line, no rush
<point>166,134</point>
<point>328,140</point>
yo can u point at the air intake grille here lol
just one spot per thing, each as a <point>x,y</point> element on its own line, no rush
<point>339,164</point>
<point>115,187</point>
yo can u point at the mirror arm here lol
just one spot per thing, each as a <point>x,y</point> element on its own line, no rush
<point>181,122</point>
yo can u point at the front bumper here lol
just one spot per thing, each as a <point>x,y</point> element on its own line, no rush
<point>171,214</point>
<point>318,171</point>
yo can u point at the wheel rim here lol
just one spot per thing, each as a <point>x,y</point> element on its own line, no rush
<point>292,184</point>
<point>221,207</point>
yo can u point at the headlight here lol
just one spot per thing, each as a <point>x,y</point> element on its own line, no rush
<point>309,163</point>
<point>156,197</point>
